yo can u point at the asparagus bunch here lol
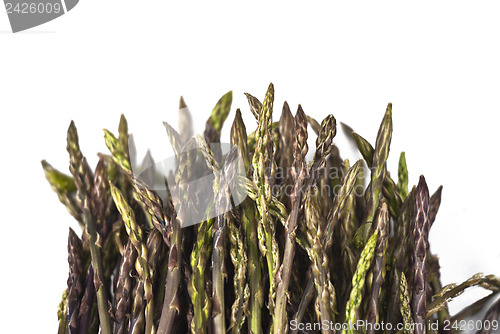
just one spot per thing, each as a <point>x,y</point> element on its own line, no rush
<point>310,249</point>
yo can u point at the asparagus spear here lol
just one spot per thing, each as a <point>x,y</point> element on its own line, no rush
<point>212,155</point>
<point>420,239</point>
<point>450,291</point>
<point>390,190</point>
<point>379,167</point>
<point>326,301</point>
<point>125,284</point>
<point>75,280</point>
<point>248,237</point>
<point>402,177</point>
<point>87,301</point>
<point>299,173</point>
<point>137,318</point>
<point>472,309</point>
<point>65,188</point>
<point>405,305</point>
<point>136,233</point>
<point>84,183</point>
<point>255,105</point>
<point>262,163</point>
<point>197,283</point>
<point>358,282</point>
<point>62,314</point>
<point>306,299</point>
<point>285,157</point>
<point>378,269</point>
<point>171,305</point>
<point>185,122</point>
<point>218,253</point>
<point>238,254</point>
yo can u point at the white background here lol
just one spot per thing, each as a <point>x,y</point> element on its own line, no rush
<point>437,64</point>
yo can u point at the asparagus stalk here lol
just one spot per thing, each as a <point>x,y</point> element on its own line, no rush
<point>473,308</point>
<point>185,122</point>
<point>400,258</point>
<point>85,312</point>
<point>378,269</point>
<point>220,112</point>
<point>420,239</point>
<point>197,284</point>
<point>248,237</point>
<point>286,151</point>
<point>434,203</point>
<point>358,282</point>
<point>175,139</point>
<point>84,183</point>
<point>326,301</point>
<point>390,190</point>
<point>136,233</point>
<point>75,280</point>
<point>65,188</point>
<point>254,268</point>
<point>212,135</point>
<point>125,283</point>
<point>171,305</point>
<point>379,167</point>
<point>450,291</point>
<point>402,176</point>
<point>262,162</point>
<point>62,314</point>
<point>404,297</point>
<point>238,254</point>
<point>255,105</point>
<point>299,173</point>
<point>433,263</point>
<point>306,299</point>
<point>137,319</point>
<point>218,253</point>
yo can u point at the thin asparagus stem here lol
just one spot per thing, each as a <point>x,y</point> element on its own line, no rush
<point>358,282</point>
<point>405,305</point>
<point>402,177</point>
<point>84,183</point>
<point>378,269</point>
<point>379,167</point>
<point>125,283</point>
<point>262,163</point>
<point>171,303</point>
<point>136,233</point>
<point>325,292</point>
<point>62,314</point>
<point>85,312</point>
<point>306,299</point>
<point>65,188</point>
<point>238,254</point>
<point>75,280</point>
<point>299,173</point>
<point>420,239</point>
